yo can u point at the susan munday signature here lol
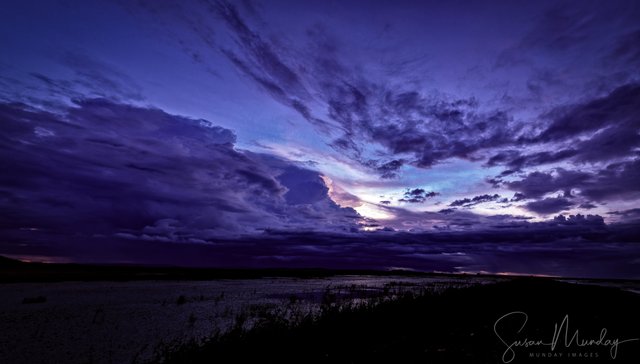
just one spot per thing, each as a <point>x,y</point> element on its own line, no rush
<point>560,332</point>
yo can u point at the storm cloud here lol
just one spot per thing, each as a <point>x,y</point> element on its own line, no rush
<point>105,167</point>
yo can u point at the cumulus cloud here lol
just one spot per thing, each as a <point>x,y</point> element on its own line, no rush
<point>103,167</point>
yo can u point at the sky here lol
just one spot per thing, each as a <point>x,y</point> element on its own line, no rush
<point>498,136</point>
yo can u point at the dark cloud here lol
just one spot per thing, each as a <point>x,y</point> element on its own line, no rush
<point>414,125</point>
<point>261,53</point>
<point>464,201</point>
<point>608,128</point>
<point>384,127</point>
<point>619,108</point>
<point>105,168</point>
<point>259,60</point>
<point>615,181</point>
<point>417,195</point>
<point>601,129</point>
<point>390,169</point>
<point>613,142</point>
<point>518,197</point>
<point>452,219</point>
<point>630,214</point>
<point>495,182</point>
<point>517,161</point>
<point>425,129</point>
<point>447,211</point>
<point>303,186</point>
<point>422,129</point>
<point>587,206</point>
<point>468,202</point>
<point>549,205</point>
<point>537,184</point>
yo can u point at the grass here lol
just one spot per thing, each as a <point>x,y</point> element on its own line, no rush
<point>446,325</point>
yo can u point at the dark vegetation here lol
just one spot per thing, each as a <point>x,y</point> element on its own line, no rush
<point>448,326</point>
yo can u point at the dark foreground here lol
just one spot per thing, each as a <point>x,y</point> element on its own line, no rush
<point>456,326</point>
<point>476,324</point>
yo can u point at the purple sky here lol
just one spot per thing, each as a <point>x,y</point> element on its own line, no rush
<point>447,136</point>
